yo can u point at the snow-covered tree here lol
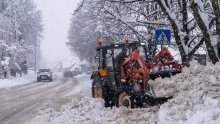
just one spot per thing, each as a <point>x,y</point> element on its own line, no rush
<point>84,32</point>
<point>205,16</point>
<point>143,17</point>
<point>19,31</point>
<point>193,23</point>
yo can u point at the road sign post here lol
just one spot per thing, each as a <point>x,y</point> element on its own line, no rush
<point>162,37</point>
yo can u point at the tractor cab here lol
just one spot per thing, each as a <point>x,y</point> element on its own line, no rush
<point>107,55</point>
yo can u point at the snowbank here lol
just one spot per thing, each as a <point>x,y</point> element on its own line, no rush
<point>197,96</point>
<point>92,111</point>
<point>14,81</point>
<point>196,100</point>
<point>83,75</point>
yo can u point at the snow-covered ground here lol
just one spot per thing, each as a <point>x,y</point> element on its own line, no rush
<point>197,96</point>
<point>196,100</point>
<point>15,81</point>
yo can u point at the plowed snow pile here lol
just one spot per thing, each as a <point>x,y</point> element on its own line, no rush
<point>196,100</point>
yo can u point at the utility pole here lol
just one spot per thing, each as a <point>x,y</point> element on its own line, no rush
<point>35,57</point>
<point>37,54</point>
<point>15,24</point>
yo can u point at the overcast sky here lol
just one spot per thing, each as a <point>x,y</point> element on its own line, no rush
<point>56,21</point>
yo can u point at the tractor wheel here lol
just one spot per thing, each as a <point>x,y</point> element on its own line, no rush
<point>124,100</point>
<point>97,90</point>
<point>102,90</point>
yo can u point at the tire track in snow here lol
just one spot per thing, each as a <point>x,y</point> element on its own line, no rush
<point>18,109</point>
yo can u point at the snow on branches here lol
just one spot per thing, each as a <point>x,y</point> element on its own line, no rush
<point>139,18</point>
<point>20,30</point>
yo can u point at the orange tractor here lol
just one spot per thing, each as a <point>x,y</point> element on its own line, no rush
<point>127,84</point>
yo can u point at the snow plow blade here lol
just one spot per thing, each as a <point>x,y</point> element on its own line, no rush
<point>153,101</point>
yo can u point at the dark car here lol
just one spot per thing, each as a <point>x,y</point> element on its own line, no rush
<point>44,74</point>
<point>75,72</point>
<point>68,74</point>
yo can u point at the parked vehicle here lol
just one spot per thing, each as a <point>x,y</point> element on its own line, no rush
<point>68,74</point>
<point>76,73</point>
<point>44,75</point>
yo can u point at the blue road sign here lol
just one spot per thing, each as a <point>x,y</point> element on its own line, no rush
<point>162,36</point>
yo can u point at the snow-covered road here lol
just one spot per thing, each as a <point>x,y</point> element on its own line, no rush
<point>20,103</point>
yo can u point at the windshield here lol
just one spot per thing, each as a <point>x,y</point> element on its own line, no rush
<point>142,53</point>
<point>44,70</point>
<point>113,55</point>
<point>117,51</point>
<point>140,49</point>
<point>109,63</point>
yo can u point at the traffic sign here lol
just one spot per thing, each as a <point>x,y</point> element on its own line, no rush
<point>162,36</point>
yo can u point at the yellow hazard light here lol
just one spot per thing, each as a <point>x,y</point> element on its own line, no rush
<point>103,72</point>
<point>100,41</point>
<point>126,39</point>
